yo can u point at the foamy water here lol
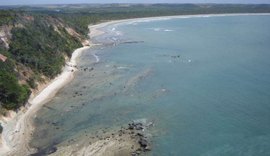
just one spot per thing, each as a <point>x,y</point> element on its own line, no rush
<point>96,57</point>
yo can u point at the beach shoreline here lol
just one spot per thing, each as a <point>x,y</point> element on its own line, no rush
<point>98,32</point>
<point>17,128</point>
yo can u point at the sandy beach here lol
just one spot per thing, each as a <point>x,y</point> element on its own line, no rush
<point>17,129</point>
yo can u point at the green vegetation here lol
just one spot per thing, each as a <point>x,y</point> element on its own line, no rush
<point>1,129</point>
<point>38,45</point>
<point>7,17</point>
<point>41,48</point>
<point>12,94</point>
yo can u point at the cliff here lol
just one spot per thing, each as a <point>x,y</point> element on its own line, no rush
<point>35,47</point>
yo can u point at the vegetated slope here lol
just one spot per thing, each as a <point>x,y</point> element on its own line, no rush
<point>36,47</point>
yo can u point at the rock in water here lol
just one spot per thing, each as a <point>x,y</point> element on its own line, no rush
<point>143,142</point>
<point>52,150</point>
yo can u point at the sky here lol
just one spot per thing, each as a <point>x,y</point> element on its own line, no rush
<point>27,2</point>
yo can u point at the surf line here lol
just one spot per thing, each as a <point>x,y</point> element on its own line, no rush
<point>96,57</point>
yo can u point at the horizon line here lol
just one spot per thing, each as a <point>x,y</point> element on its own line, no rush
<point>133,4</point>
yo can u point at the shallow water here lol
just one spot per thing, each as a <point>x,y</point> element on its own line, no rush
<point>204,82</point>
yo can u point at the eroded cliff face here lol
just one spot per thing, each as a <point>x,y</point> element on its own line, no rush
<point>5,30</point>
<point>5,35</point>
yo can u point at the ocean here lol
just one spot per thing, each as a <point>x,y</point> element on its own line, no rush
<point>203,81</point>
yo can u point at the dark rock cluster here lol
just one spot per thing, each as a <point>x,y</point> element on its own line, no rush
<point>81,68</point>
<point>135,126</point>
<point>137,130</point>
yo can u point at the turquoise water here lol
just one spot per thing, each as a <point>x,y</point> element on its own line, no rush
<point>204,82</point>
